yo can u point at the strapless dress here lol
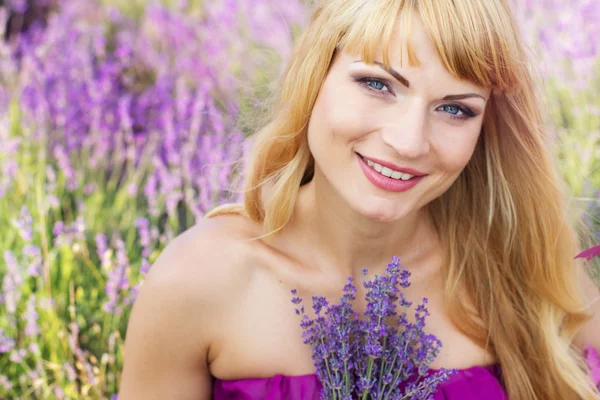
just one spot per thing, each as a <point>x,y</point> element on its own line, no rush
<point>474,383</point>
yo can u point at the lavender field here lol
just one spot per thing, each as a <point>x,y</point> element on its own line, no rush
<point>123,122</point>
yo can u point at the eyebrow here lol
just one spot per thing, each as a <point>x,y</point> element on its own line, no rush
<point>406,83</point>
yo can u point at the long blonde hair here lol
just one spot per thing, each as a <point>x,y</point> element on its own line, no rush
<point>508,240</point>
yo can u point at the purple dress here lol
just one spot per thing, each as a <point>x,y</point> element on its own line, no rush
<point>474,383</point>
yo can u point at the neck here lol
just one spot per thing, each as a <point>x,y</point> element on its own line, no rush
<point>343,242</point>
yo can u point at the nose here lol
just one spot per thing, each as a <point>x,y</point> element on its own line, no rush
<point>407,132</point>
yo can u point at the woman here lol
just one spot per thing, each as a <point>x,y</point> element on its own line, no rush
<point>407,128</point>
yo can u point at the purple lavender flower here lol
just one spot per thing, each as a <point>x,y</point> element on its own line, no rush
<point>379,355</point>
<point>31,317</point>
<point>564,35</point>
<point>19,6</point>
<point>70,372</point>
<point>24,224</point>
<point>59,393</point>
<point>5,383</point>
<point>118,281</point>
<point>18,355</point>
<point>7,344</point>
<point>12,281</point>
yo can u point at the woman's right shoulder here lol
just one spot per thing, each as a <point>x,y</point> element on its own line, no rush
<point>212,257</point>
<point>199,279</point>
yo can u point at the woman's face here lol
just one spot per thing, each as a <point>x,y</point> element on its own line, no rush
<point>417,125</point>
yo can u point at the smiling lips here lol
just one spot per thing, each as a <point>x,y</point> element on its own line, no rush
<point>387,176</point>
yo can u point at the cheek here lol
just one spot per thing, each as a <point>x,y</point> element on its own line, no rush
<point>455,151</point>
<point>337,115</point>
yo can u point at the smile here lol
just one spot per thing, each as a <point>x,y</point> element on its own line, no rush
<point>386,178</point>
<point>385,171</point>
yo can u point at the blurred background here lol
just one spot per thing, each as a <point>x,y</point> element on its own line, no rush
<point>121,124</point>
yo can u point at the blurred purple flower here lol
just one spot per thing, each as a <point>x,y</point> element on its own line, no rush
<point>166,81</point>
<point>69,234</point>
<point>70,372</point>
<point>6,343</point>
<point>568,33</point>
<point>31,316</point>
<point>118,280</point>
<point>19,6</point>
<point>12,281</point>
<point>34,348</point>
<point>17,355</point>
<point>59,393</point>
<point>24,224</point>
<point>5,383</point>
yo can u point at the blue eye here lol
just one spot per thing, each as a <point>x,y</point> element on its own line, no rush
<point>457,112</point>
<point>452,109</point>
<point>375,84</point>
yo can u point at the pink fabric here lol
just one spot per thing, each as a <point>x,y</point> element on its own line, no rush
<point>592,356</point>
<point>475,383</point>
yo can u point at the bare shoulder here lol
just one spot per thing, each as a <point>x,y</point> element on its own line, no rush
<point>208,266</point>
<point>194,283</point>
<point>211,254</point>
<point>206,263</point>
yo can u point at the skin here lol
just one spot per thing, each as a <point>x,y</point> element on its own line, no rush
<point>217,304</point>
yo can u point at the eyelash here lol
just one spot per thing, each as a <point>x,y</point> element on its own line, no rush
<point>467,112</point>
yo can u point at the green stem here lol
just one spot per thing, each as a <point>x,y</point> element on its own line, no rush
<point>383,365</point>
<point>39,199</point>
<point>370,365</point>
<point>346,377</point>
<point>397,373</point>
<point>326,362</point>
<point>369,368</point>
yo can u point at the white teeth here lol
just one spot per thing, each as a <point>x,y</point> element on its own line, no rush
<point>385,171</point>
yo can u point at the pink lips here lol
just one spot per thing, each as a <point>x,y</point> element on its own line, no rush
<point>389,184</point>
<point>394,166</point>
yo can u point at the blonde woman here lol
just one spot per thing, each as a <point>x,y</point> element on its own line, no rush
<point>402,127</point>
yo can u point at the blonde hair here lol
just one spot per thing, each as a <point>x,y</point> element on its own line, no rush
<point>509,243</point>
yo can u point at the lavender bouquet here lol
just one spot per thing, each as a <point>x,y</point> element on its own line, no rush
<point>380,355</point>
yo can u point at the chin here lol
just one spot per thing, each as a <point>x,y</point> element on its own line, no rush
<point>380,212</point>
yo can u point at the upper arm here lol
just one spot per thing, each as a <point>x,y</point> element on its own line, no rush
<point>590,332</point>
<point>174,319</point>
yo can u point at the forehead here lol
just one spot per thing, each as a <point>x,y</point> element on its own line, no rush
<point>410,46</point>
<point>430,78</point>
<point>460,34</point>
<point>423,66</point>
